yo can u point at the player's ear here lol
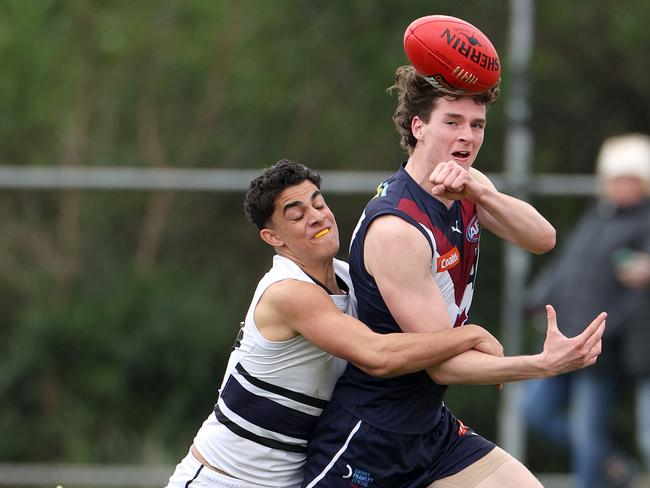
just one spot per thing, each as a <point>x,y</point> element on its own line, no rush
<point>416,127</point>
<point>270,237</point>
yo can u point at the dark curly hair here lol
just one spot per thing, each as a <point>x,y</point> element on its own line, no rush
<point>259,202</point>
<point>416,96</point>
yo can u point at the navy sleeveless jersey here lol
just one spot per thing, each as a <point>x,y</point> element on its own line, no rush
<point>410,404</point>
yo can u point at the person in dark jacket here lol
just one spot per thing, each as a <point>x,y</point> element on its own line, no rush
<point>605,265</point>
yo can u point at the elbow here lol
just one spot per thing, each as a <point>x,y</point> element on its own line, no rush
<point>546,241</point>
<point>380,368</point>
<point>550,238</point>
<point>440,376</point>
<point>381,362</point>
<point>382,372</point>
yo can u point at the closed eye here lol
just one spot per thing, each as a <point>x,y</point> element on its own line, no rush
<point>318,202</point>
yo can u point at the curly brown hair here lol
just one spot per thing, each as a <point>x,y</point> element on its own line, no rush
<point>259,202</point>
<point>416,96</point>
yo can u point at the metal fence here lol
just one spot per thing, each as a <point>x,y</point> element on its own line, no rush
<point>237,180</point>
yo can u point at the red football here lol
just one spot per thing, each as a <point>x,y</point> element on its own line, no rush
<point>452,54</point>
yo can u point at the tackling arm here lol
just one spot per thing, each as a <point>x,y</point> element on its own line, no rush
<point>306,309</point>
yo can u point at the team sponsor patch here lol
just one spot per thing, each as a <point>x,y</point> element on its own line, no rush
<point>381,190</point>
<point>359,478</point>
<point>473,230</point>
<point>448,260</point>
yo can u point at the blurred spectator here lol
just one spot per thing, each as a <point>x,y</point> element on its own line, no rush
<point>604,265</point>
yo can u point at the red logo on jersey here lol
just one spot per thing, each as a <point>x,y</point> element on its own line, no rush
<point>462,428</point>
<point>448,260</point>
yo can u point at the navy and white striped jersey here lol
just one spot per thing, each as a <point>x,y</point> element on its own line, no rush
<point>410,404</point>
<point>271,396</point>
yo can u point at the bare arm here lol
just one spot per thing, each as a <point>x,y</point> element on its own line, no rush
<point>399,258</point>
<point>513,219</point>
<point>510,218</point>
<point>560,355</point>
<point>292,307</point>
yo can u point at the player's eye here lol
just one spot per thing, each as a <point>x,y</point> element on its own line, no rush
<point>319,203</point>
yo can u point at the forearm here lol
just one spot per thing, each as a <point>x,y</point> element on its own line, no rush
<point>402,353</point>
<point>477,368</point>
<point>516,221</point>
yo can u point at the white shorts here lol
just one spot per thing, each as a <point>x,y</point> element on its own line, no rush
<point>190,473</point>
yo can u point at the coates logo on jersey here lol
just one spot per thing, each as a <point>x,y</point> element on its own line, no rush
<point>448,260</point>
<point>473,230</point>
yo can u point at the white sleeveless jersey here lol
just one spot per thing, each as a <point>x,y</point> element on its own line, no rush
<point>271,396</point>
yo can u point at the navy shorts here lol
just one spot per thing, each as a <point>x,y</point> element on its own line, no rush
<point>345,452</point>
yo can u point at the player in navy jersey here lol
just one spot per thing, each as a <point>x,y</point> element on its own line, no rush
<point>414,254</point>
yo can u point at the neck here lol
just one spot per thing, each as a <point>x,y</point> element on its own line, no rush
<point>323,271</point>
<point>420,169</point>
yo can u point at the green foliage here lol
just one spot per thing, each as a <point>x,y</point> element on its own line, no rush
<point>589,81</point>
<point>126,358</point>
<point>118,309</point>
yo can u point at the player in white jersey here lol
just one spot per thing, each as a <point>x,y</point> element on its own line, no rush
<point>286,359</point>
<point>272,392</point>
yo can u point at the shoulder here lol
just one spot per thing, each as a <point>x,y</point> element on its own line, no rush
<point>391,237</point>
<point>388,195</point>
<point>387,225</point>
<point>285,280</point>
<point>391,230</point>
<point>289,293</point>
<point>287,305</point>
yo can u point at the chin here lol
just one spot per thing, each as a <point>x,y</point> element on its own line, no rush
<point>333,249</point>
<point>468,164</point>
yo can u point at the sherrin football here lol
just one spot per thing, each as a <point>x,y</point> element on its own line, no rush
<point>452,54</point>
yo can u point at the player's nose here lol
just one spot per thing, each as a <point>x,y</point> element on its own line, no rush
<point>316,216</point>
<point>466,133</point>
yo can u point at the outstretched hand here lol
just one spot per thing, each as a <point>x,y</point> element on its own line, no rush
<point>563,354</point>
